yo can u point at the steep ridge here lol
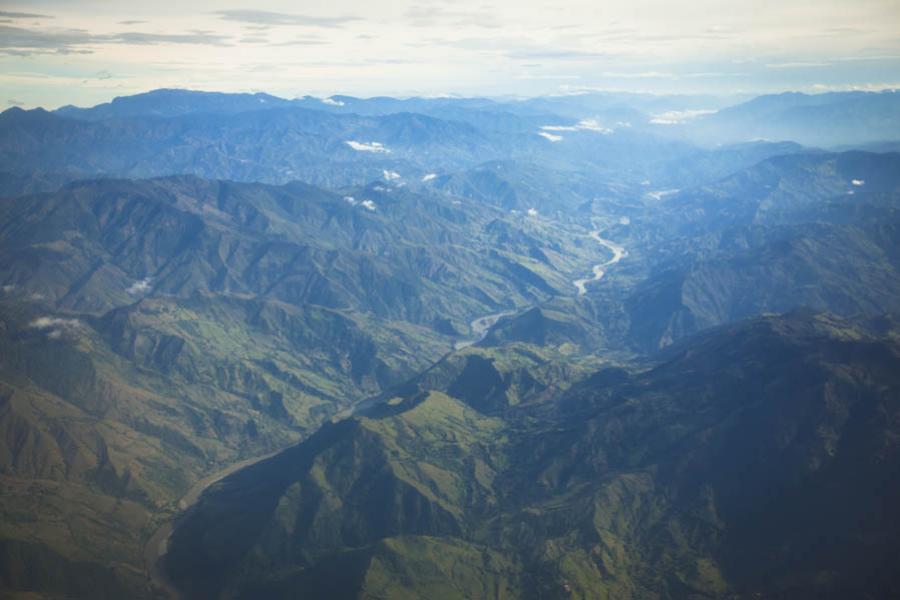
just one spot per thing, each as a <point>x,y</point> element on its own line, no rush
<point>107,422</point>
<point>617,489</point>
<point>156,331</point>
<point>96,245</point>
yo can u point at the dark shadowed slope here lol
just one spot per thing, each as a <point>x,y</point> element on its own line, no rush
<point>760,458</point>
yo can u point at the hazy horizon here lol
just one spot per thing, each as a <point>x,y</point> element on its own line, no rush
<point>723,98</point>
<point>54,53</point>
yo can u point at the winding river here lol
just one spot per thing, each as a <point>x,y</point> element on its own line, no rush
<point>481,325</point>
<point>600,269</point>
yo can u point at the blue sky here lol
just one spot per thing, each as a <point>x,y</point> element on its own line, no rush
<point>55,52</point>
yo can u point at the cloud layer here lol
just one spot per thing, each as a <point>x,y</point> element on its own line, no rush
<point>49,49</point>
<point>268,18</point>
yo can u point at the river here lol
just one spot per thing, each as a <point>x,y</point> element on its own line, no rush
<point>600,269</point>
<point>480,327</point>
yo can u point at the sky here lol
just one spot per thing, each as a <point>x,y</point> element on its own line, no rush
<point>57,52</point>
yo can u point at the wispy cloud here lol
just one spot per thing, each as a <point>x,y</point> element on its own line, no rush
<point>253,39</point>
<point>22,41</point>
<point>798,65</point>
<point>376,147</point>
<point>55,326</point>
<point>853,87</point>
<point>195,37</point>
<point>868,57</point>
<point>366,204</point>
<point>438,16</point>
<point>48,322</point>
<point>268,18</point>
<point>304,41</point>
<point>676,117</point>
<point>20,15</point>
<point>140,287</point>
<point>583,125</point>
<point>639,75</point>
<point>550,136</point>
<point>518,48</point>
<point>549,53</point>
<point>420,47</point>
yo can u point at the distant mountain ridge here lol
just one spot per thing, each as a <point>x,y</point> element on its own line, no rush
<point>351,141</point>
<point>833,119</point>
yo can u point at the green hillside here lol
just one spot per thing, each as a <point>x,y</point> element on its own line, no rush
<point>671,482</point>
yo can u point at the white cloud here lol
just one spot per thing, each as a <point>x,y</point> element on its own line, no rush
<point>55,326</point>
<point>390,175</point>
<point>429,177</point>
<point>797,65</point>
<point>140,287</point>
<point>270,18</point>
<point>583,125</point>
<point>593,125</point>
<point>660,194</point>
<point>640,75</point>
<point>858,182</point>
<point>676,117</point>
<point>550,136</point>
<point>376,147</point>
<point>367,204</point>
<point>532,212</point>
<point>559,128</point>
<point>331,102</point>
<point>624,220</point>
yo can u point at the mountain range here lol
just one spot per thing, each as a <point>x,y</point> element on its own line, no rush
<point>710,473</point>
<point>589,346</point>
